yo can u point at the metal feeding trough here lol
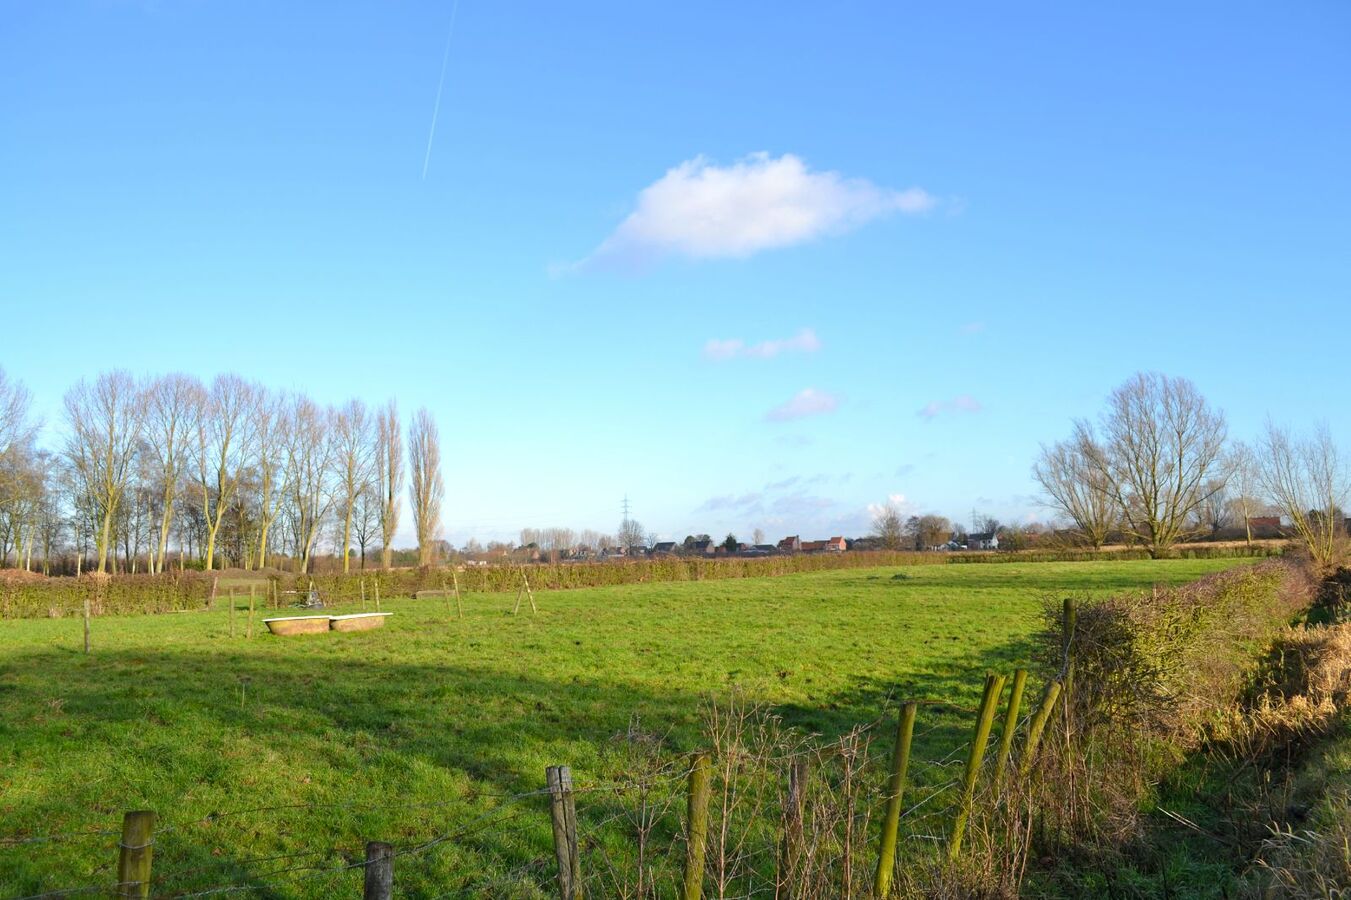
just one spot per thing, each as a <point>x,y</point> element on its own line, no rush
<point>287,625</point>
<point>297,624</point>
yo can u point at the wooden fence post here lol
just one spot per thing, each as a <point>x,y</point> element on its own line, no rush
<point>1038,724</point>
<point>791,851</point>
<point>250,631</point>
<point>529,593</point>
<point>700,784</point>
<point>900,762</point>
<point>379,871</point>
<point>994,686</point>
<point>377,594</point>
<point>459,605</point>
<point>563,812</point>
<point>134,854</point>
<point>1010,725</point>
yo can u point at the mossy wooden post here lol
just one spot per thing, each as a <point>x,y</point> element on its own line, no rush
<point>900,762</point>
<point>1038,725</point>
<point>1010,725</point>
<point>563,813</point>
<point>700,785</point>
<point>134,854</point>
<point>250,628</point>
<point>790,852</point>
<point>379,881</point>
<point>989,702</point>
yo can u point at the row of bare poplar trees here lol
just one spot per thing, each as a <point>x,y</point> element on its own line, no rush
<point>227,471</point>
<point>1158,467</point>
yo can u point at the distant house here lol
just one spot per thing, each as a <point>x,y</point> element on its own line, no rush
<point>834,545</point>
<point>985,540</point>
<point>703,548</point>
<point>664,548</point>
<point>790,545</point>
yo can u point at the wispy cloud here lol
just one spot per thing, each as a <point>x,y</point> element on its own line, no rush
<point>700,210</point>
<point>805,341</point>
<point>964,403</point>
<point>746,503</point>
<point>806,402</point>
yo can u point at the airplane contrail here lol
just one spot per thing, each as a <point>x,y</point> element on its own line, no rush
<point>431,134</point>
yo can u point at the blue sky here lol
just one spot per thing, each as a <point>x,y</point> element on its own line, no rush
<point>753,264</point>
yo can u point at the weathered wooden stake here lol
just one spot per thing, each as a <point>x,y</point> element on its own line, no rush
<point>520,592</point>
<point>379,871</point>
<point>377,594</point>
<point>900,762</point>
<point>1010,725</point>
<point>250,631</point>
<point>459,605</point>
<point>134,854</point>
<point>989,702</point>
<point>1038,725</point>
<point>563,812</point>
<point>363,595</point>
<point>700,784</point>
<point>791,851</point>
<point>529,593</point>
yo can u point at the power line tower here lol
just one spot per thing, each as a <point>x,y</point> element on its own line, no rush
<point>626,507</point>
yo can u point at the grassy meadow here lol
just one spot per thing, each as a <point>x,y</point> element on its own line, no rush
<point>256,751</point>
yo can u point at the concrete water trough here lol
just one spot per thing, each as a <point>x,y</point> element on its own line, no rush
<point>358,621</point>
<point>297,624</point>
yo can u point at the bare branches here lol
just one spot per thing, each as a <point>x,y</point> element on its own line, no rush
<point>389,476</point>
<point>426,490</point>
<point>104,421</point>
<point>1308,481</point>
<point>354,455</point>
<point>1077,487</point>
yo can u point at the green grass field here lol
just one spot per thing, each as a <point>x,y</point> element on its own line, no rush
<point>415,730</point>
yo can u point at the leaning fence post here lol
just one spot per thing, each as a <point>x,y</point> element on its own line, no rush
<point>134,853</point>
<point>1038,724</point>
<point>994,686</point>
<point>700,784</point>
<point>792,828</point>
<point>563,812</point>
<point>900,762</point>
<point>379,871</point>
<point>1010,725</point>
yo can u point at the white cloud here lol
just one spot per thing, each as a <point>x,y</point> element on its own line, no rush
<point>896,501</point>
<point>964,403</point>
<point>701,210</point>
<point>806,402</point>
<point>805,341</point>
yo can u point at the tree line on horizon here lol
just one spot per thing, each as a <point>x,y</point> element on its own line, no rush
<point>1158,467</point>
<point>225,472</point>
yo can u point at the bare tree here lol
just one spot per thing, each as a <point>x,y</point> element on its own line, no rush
<point>426,489</point>
<point>758,536</point>
<point>1077,488</point>
<point>1308,481</point>
<point>1243,473</point>
<point>888,527</point>
<point>389,477</point>
<point>270,429</point>
<point>172,404</point>
<point>104,425</point>
<point>309,473</point>
<point>354,458</point>
<point>630,534</point>
<point>16,430</point>
<point>222,446</point>
<point>1161,450</point>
